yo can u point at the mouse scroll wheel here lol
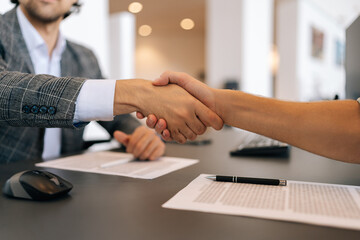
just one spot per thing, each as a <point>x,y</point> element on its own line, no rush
<point>55,180</point>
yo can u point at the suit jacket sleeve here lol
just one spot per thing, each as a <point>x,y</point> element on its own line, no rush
<point>28,100</point>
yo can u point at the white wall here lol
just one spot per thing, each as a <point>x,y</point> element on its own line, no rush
<point>239,41</point>
<point>300,76</point>
<point>257,45</point>
<point>287,83</point>
<point>90,28</point>
<point>224,41</point>
<point>122,44</point>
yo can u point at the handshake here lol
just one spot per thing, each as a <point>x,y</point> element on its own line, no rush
<point>178,106</point>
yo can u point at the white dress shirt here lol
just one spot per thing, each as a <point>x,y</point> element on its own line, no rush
<point>88,104</point>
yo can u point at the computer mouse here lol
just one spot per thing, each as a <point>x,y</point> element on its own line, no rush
<point>36,185</point>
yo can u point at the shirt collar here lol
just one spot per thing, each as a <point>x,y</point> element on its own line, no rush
<point>33,39</point>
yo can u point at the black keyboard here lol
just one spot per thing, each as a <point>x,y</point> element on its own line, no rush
<point>260,146</point>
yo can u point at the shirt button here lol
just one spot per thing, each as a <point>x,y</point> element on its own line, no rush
<point>43,109</point>
<point>26,109</point>
<point>35,109</point>
<point>52,110</point>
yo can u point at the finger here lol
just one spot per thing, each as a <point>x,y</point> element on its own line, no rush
<point>160,126</point>
<point>165,135</point>
<point>178,136</point>
<point>153,146</point>
<point>143,143</point>
<point>135,137</point>
<point>197,126</point>
<point>158,152</point>
<point>188,133</point>
<point>151,121</point>
<point>121,137</point>
<point>139,115</point>
<point>208,117</point>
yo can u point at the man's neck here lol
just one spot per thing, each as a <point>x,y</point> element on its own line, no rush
<point>48,31</point>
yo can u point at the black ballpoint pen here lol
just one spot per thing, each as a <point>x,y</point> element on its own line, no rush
<point>263,181</point>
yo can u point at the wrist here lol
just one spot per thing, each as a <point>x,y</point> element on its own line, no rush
<point>220,106</point>
<point>227,104</point>
<point>125,99</point>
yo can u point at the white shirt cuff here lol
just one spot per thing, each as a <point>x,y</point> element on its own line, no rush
<point>95,101</point>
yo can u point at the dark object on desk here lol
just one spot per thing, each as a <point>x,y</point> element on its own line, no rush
<point>262,147</point>
<point>36,185</point>
<point>262,181</point>
<point>88,144</point>
<point>196,142</point>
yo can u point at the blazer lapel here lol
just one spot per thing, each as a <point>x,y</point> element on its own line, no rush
<point>66,63</point>
<point>19,47</point>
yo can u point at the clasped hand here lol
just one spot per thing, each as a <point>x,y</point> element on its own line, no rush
<point>196,88</point>
<point>186,117</point>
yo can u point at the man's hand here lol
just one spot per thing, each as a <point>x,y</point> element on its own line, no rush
<point>186,117</point>
<point>143,143</point>
<point>196,88</point>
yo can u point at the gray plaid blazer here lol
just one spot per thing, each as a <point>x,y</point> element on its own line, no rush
<point>29,103</point>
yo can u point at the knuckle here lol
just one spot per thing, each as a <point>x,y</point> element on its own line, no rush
<point>200,129</point>
<point>192,137</point>
<point>181,140</point>
<point>167,72</point>
<point>144,156</point>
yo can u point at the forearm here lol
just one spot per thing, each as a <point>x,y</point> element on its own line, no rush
<point>329,128</point>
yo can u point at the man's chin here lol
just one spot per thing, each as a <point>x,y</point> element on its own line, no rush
<point>49,1</point>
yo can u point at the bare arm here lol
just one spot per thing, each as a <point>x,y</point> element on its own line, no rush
<point>328,128</point>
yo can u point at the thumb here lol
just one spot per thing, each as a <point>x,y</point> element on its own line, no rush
<point>161,81</point>
<point>122,137</point>
<point>169,77</point>
<point>184,80</point>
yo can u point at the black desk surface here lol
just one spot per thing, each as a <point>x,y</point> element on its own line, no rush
<point>111,207</point>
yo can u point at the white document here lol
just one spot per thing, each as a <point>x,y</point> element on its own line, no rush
<point>121,164</point>
<point>312,203</point>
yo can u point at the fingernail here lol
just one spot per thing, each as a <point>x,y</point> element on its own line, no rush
<point>150,121</point>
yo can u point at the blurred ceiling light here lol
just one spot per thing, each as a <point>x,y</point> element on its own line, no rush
<point>145,30</point>
<point>135,7</point>
<point>187,24</point>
